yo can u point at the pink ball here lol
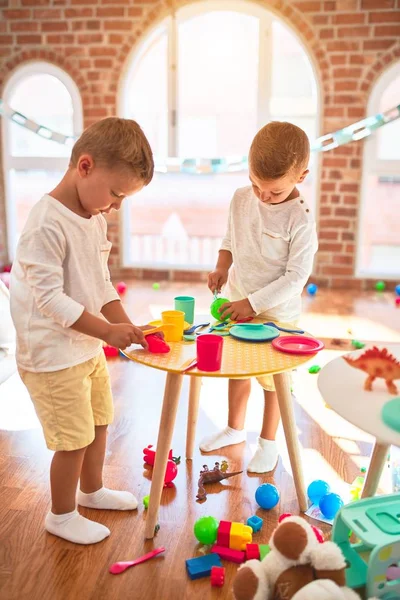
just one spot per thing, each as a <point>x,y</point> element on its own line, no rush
<point>397,301</point>
<point>121,288</point>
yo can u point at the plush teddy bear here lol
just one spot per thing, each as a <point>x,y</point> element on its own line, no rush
<point>298,567</point>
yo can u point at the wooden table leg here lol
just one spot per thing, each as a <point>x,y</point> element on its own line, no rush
<point>376,466</point>
<point>167,422</point>
<point>193,413</point>
<point>282,385</point>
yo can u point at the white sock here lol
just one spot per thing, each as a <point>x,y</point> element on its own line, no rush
<point>219,439</point>
<point>265,457</point>
<point>108,500</point>
<point>75,528</point>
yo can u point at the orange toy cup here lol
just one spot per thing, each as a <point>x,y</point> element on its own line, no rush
<point>174,319</point>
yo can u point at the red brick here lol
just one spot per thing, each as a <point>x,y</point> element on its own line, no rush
<point>378,4</point>
<point>342,46</point>
<point>308,6</point>
<point>35,2</point>
<point>340,211</point>
<point>346,32</point>
<point>325,211</point>
<point>103,63</point>
<point>335,199</point>
<point>328,186</point>
<point>334,161</point>
<point>377,44</point>
<point>349,19</point>
<point>80,2</point>
<point>330,247</point>
<point>17,13</point>
<point>93,25</point>
<point>350,200</point>
<point>344,99</point>
<point>355,163</point>
<point>24,26</point>
<point>341,72</point>
<point>90,38</point>
<point>348,236</point>
<point>334,223</point>
<point>29,39</point>
<point>346,5</point>
<point>357,59</point>
<point>47,13</point>
<point>330,5</point>
<point>335,270</point>
<point>384,17</point>
<point>342,259</point>
<point>326,34</point>
<point>110,11</point>
<point>54,26</point>
<point>328,235</point>
<point>117,25</point>
<point>334,111</point>
<point>60,38</point>
<point>349,187</point>
<point>338,59</point>
<point>387,31</point>
<point>346,85</point>
<point>335,174</point>
<point>77,25</point>
<point>102,51</point>
<point>350,248</point>
<point>99,111</point>
<point>115,38</point>
<point>78,13</point>
<point>135,11</point>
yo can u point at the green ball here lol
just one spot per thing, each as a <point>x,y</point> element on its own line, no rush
<point>146,502</point>
<point>314,369</point>
<point>380,286</point>
<point>216,305</point>
<point>156,286</point>
<point>205,530</point>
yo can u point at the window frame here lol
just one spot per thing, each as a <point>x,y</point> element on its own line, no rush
<point>379,167</point>
<point>169,25</point>
<point>37,163</point>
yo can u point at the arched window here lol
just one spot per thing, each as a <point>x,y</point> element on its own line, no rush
<point>379,225</point>
<point>33,165</point>
<point>201,85</point>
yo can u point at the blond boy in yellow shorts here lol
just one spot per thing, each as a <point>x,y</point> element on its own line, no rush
<point>64,305</point>
<point>265,259</point>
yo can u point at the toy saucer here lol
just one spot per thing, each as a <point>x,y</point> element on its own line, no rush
<point>254,332</point>
<point>298,344</point>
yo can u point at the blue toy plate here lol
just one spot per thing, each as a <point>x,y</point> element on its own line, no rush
<point>254,332</point>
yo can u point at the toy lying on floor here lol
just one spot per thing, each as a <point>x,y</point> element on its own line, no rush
<point>298,567</point>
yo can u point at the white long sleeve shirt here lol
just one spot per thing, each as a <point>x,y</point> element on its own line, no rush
<point>60,270</point>
<point>273,248</point>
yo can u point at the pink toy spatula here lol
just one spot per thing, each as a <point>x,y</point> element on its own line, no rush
<point>120,567</point>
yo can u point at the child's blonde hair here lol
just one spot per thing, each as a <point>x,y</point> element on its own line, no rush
<point>279,149</point>
<point>115,142</point>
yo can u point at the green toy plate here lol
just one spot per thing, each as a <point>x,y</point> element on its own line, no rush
<point>391,414</point>
<point>254,332</point>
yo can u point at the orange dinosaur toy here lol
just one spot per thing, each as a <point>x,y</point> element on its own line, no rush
<point>377,363</point>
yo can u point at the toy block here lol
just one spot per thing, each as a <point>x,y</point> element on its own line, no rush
<point>227,554</point>
<point>202,565</point>
<point>264,550</point>
<point>252,551</point>
<point>223,534</point>
<point>217,576</point>
<point>255,523</point>
<point>241,535</point>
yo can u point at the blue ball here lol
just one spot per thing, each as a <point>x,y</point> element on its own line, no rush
<point>312,289</point>
<point>397,289</point>
<point>330,504</point>
<point>267,496</point>
<point>317,489</point>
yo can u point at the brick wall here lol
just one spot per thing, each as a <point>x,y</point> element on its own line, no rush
<point>351,42</point>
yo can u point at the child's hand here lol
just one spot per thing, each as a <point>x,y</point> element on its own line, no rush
<point>216,279</point>
<point>237,310</point>
<point>123,335</point>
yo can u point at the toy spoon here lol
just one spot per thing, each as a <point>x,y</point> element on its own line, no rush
<point>120,567</point>
<point>271,324</point>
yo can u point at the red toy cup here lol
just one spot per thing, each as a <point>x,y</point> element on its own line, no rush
<point>209,352</point>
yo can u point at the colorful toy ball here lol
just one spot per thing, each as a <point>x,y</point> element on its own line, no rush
<point>330,504</point>
<point>397,289</point>
<point>380,286</point>
<point>312,289</point>
<point>206,529</point>
<point>171,472</point>
<point>317,489</point>
<point>267,496</point>
<point>397,301</point>
<point>215,306</point>
<point>121,288</point>
<point>156,286</point>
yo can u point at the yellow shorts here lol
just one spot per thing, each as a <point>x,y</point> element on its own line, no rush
<point>69,403</point>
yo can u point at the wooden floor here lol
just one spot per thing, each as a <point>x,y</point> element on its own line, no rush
<point>38,566</point>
